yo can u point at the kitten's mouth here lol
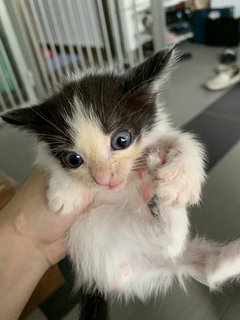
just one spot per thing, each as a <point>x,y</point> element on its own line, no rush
<point>111,185</point>
<point>115,185</point>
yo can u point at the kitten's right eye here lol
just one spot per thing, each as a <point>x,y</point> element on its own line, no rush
<point>121,140</point>
<point>72,160</point>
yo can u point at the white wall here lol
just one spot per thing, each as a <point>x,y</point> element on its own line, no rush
<point>227,3</point>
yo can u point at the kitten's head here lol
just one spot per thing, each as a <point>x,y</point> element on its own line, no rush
<point>98,126</point>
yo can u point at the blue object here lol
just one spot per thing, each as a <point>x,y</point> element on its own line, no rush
<point>6,74</point>
<point>54,61</point>
<point>199,20</point>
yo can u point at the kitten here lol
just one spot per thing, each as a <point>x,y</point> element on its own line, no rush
<point>95,133</point>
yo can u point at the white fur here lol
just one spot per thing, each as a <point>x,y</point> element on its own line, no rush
<point>119,247</point>
<point>181,177</point>
<point>64,192</point>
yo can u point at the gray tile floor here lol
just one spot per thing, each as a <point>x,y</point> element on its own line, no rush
<point>187,96</point>
<point>218,217</point>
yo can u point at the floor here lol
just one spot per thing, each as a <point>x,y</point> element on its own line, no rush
<point>218,217</point>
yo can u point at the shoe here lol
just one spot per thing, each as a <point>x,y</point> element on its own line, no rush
<point>228,56</point>
<point>224,79</point>
<point>222,67</point>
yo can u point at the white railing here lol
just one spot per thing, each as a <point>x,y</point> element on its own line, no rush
<point>15,89</point>
<point>66,36</point>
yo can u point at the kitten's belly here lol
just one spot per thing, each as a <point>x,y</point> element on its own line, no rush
<point>107,246</point>
<point>116,248</point>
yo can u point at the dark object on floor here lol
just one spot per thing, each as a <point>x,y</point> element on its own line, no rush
<point>228,56</point>
<point>93,306</point>
<point>218,126</point>
<point>63,300</point>
<point>222,32</point>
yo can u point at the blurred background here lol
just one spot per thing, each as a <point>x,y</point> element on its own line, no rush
<point>43,41</point>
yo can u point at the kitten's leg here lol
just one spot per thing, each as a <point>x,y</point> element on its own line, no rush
<point>211,263</point>
<point>171,226</point>
<point>177,167</point>
<point>177,164</point>
<point>93,306</point>
<point>64,192</point>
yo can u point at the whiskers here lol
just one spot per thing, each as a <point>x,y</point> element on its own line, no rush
<point>140,162</point>
<point>55,138</point>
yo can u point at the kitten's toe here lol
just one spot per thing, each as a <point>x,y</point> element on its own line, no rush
<point>174,186</point>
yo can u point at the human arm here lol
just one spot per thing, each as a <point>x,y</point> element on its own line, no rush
<point>31,240</point>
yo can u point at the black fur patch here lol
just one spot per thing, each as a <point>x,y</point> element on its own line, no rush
<point>153,206</point>
<point>115,107</point>
<point>149,71</point>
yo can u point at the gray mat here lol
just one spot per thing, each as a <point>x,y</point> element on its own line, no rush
<point>218,127</point>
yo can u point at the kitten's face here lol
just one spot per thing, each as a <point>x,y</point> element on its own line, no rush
<point>106,132</point>
<point>102,158</point>
<point>98,127</point>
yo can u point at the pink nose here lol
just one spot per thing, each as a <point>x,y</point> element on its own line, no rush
<point>103,179</point>
<point>101,173</point>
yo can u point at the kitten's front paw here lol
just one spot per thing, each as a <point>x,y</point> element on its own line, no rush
<point>64,193</point>
<point>60,203</point>
<point>177,182</point>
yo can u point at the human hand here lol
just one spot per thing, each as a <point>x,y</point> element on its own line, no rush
<point>28,215</point>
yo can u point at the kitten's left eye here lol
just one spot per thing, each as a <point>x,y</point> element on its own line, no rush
<point>121,140</point>
<point>72,160</point>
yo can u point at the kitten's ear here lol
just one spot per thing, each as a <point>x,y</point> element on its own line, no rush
<point>153,72</point>
<point>36,118</point>
<point>22,117</point>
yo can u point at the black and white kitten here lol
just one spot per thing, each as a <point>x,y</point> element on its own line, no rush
<point>94,134</point>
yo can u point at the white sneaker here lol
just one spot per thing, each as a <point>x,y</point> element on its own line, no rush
<point>223,67</point>
<point>224,79</point>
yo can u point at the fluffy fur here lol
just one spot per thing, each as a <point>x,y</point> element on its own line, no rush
<point>122,246</point>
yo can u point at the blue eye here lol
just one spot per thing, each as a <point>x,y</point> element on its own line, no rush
<point>72,160</point>
<point>121,140</point>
